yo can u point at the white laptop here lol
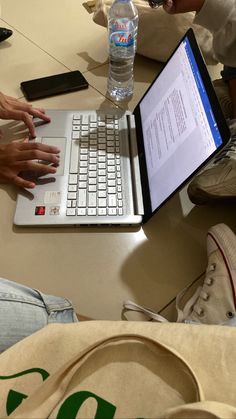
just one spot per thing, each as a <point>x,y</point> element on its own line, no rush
<point>119,168</point>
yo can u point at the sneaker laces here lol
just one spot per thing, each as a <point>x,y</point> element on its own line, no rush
<point>184,313</point>
<point>192,304</point>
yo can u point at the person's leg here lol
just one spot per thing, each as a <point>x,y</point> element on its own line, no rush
<point>232,91</point>
<point>24,310</point>
<point>229,76</point>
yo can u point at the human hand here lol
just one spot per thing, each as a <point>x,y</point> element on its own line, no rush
<point>18,158</point>
<point>182,6</point>
<point>11,108</point>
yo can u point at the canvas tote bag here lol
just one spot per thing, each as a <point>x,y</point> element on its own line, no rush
<point>158,31</point>
<point>107,370</point>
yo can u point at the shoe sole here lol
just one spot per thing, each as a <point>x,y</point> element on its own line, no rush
<point>200,197</point>
<point>225,241</point>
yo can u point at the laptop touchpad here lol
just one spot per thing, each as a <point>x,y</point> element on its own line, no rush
<point>59,142</point>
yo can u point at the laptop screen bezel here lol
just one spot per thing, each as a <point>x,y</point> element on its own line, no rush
<point>219,117</point>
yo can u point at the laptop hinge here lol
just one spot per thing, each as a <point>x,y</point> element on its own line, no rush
<point>135,169</point>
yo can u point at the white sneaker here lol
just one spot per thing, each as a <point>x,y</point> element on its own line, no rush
<point>217,181</point>
<point>215,301</point>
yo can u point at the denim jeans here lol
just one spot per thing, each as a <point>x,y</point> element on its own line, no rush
<point>24,310</point>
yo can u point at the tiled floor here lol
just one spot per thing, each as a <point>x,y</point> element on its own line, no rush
<point>96,268</point>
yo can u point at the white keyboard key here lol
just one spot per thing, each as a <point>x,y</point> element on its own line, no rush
<point>73,179</point>
<point>102,186</point>
<point>71,195</point>
<point>112,201</point>
<point>82,185</point>
<point>70,211</point>
<point>85,119</point>
<point>93,118</point>
<point>101,166</point>
<point>102,211</point>
<point>72,188</point>
<point>83,170</point>
<point>68,204</point>
<point>92,211</point>
<point>101,179</point>
<point>92,199</point>
<point>92,154</point>
<point>75,135</point>
<point>77,116</point>
<point>92,181</point>
<point>92,167</point>
<point>76,128</point>
<point>73,204</point>
<point>102,194</point>
<point>120,211</point>
<point>81,211</point>
<point>92,174</point>
<point>83,157</point>
<point>110,162</point>
<point>92,188</point>
<point>74,157</point>
<point>112,211</point>
<point>82,193</point>
<point>102,202</point>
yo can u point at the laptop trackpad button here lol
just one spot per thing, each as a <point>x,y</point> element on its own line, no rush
<point>59,142</point>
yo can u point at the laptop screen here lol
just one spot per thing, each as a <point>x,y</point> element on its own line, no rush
<point>179,126</point>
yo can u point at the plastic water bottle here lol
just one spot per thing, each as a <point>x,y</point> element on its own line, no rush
<point>122,41</point>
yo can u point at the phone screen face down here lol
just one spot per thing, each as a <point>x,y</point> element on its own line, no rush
<point>53,85</point>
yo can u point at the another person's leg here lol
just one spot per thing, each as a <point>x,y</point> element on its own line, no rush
<point>229,76</point>
<point>24,310</point>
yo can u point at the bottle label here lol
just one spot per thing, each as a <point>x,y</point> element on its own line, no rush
<point>121,32</point>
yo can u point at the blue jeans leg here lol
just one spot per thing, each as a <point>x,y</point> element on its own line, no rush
<point>24,310</point>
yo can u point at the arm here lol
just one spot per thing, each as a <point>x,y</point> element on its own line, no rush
<point>182,6</point>
<point>222,26</point>
<point>11,108</point>
<point>219,17</point>
<point>18,158</point>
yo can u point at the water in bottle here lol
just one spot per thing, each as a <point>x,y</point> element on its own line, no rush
<point>122,40</point>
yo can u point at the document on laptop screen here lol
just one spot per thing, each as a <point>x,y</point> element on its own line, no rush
<point>179,128</point>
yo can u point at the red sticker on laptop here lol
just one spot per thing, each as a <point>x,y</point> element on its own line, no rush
<point>40,210</point>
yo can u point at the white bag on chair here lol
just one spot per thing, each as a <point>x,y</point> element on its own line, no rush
<point>159,32</point>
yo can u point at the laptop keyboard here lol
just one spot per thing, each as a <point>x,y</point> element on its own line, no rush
<point>94,186</point>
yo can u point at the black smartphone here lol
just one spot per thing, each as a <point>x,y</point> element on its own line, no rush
<point>53,85</point>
